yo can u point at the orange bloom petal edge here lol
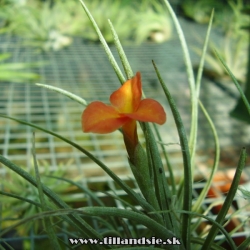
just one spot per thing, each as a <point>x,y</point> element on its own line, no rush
<point>149,110</point>
<point>126,106</point>
<point>101,118</point>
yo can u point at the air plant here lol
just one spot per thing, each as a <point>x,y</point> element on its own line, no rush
<point>17,72</point>
<point>14,209</point>
<point>163,206</point>
<point>233,50</point>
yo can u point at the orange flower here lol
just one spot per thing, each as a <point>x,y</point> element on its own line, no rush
<point>126,107</point>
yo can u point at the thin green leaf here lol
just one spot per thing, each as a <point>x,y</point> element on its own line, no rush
<point>81,187</point>
<point>169,165</point>
<point>191,81</point>
<point>162,190</point>
<point>200,241</point>
<point>244,245</point>
<point>85,190</point>
<point>123,202</point>
<point>204,192</point>
<point>175,219</point>
<point>228,201</point>
<point>214,222</point>
<point>155,227</point>
<point>235,82</point>
<point>187,196</point>
<point>141,171</point>
<point>105,45</point>
<point>20,198</point>
<point>47,223</point>
<point>245,193</point>
<point>127,68</point>
<point>64,92</point>
<point>111,232</point>
<point>198,83</point>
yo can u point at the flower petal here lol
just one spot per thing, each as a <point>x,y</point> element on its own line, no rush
<point>101,118</point>
<point>149,110</point>
<point>127,98</point>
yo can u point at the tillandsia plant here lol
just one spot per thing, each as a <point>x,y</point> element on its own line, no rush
<point>16,72</point>
<point>163,207</point>
<point>233,48</point>
<point>49,26</point>
<point>42,27</point>
<point>127,107</point>
<point>15,209</point>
